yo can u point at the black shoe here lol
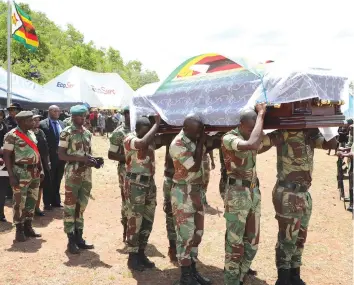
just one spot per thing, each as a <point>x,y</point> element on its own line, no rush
<point>202,280</point>
<point>48,208</point>
<point>350,208</point>
<point>20,235</point>
<point>80,242</point>
<point>295,277</point>
<point>283,277</point>
<point>39,213</point>
<point>252,272</point>
<point>187,277</point>
<point>72,246</point>
<point>29,231</point>
<point>134,262</point>
<point>144,260</point>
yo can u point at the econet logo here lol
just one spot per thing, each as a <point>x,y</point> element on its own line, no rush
<point>103,90</point>
<point>65,85</point>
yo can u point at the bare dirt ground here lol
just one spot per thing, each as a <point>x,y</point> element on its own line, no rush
<point>328,257</point>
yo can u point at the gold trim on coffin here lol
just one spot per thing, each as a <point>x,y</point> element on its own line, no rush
<point>329,102</point>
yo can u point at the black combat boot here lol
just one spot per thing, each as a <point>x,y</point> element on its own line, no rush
<point>144,260</point>
<point>134,262</point>
<point>350,208</point>
<point>172,251</point>
<point>80,242</point>
<point>187,277</point>
<point>295,277</point>
<point>202,280</point>
<point>29,231</point>
<point>283,277</point>
<point>72,246</point>
<point>20,235</point>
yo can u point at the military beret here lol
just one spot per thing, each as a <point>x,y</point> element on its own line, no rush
<point>78,110</point>
<point>24,115</point>
<point>126,109</point>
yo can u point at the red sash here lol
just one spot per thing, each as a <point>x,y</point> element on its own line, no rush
<point>27,140</point>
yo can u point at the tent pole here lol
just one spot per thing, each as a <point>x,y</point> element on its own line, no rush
<point>8,53</point>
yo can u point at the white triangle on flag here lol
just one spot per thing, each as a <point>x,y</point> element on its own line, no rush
<point>15,19</point>
<point>202,68</point>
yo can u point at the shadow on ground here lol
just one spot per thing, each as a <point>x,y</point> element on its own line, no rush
<point>30,245</point>
<point>171,276</point>
<point>150,251</point>
<point>88,259</point>
<point>50,216</point>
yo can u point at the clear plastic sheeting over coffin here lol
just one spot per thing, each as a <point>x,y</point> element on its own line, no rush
<point>218,88</point>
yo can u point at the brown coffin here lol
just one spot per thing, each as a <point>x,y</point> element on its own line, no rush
<point>312,113</point>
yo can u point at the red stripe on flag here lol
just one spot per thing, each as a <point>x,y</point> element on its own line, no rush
<point>209,59</point>
<point>225,67</point>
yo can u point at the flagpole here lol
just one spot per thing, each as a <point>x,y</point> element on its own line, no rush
<point>8,53</point>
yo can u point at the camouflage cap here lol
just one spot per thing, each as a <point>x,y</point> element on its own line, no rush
<point>24,115</point>
<point>78,109</point>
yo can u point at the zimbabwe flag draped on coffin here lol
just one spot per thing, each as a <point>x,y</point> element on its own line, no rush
<point>23,29</point>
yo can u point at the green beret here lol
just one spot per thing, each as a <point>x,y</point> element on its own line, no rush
<point>24,115</point>
<point>78,110</point>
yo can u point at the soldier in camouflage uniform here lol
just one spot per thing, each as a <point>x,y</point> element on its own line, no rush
<point>242,197</point>
<point>75,149</point>
<point>23,163</point>
<point>291,197</point>
<point>167,206</point>
<point>187,150</point>
<point>116,152</point>
<point>140,190</point>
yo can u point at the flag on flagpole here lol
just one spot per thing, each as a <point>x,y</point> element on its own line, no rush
<point>23,29</point>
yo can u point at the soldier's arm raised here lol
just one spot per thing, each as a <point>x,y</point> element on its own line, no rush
<point>148,138</point>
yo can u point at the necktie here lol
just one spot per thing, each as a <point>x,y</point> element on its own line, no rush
<point>56,130</point>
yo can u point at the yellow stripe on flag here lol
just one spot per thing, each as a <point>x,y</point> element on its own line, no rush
<point>28,41</point>
<point>186,71</point>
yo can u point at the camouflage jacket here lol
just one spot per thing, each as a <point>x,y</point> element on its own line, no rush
<point>169,169</point>
<point>117,137</point>
<point>77,142</point>
<point>295,151</point>
<point>239,164</point>
<point>23,153</point>
<point>139,161</point>
<point>182,151</point>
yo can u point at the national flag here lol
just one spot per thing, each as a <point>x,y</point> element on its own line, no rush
<point>22,28</point>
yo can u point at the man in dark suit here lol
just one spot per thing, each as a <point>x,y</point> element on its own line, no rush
<point>52,127</point>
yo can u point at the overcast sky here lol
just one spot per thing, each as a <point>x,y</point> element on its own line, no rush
<point>163,33</point>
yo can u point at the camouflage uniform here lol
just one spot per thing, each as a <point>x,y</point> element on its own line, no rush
<point>187,199</point>
<point>78,181</point>
<point>26,170</point>
<point>291,199</point>
<point>67,122</point>
<point>223,176</point>
<point>116,144</point>
<point>139,193</point>
<point>350,163</point>
<point>167,186</point>
<point>242,208</point>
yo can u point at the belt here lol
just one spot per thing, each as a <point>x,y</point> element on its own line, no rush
<point>243,183</point>
<point>27,166</point>
<point>139,177</point>
<point>293,186</point>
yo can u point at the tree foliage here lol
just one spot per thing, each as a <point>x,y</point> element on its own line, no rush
<point>61,49</point>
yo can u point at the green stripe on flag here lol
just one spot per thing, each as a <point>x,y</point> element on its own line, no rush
<point>23,41</point>
<point>23,13</point>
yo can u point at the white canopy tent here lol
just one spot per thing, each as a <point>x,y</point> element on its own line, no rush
<point>30,94</point>
<point>102,90</point>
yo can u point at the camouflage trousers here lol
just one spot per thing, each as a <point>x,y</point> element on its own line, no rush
<point>25,195</point>
<point>188,214</point>
<point>293,212</point>
<point>121,178</point>
<point>167,207</point>
<point>78,187</point>
<point>140,208</point>
<point>242,215</point>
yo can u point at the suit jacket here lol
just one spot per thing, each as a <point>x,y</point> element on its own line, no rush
<point>47,128</point>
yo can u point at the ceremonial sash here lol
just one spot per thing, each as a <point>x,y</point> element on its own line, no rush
<point>27,140</point>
